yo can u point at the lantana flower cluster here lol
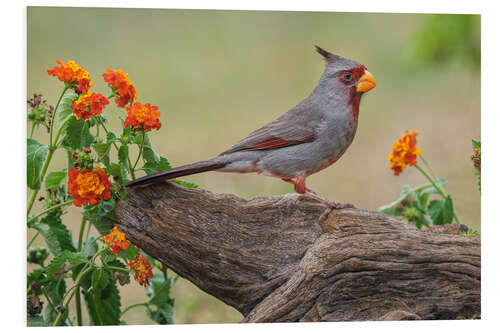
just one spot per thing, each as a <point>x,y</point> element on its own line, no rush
<point>88,105</point>
<point>404,152</point>
<point>141,269</point>
<point>73,75</point>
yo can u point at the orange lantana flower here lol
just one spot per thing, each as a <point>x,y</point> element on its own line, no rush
<point>89,104</point>
<point>116,239</point>
<point>72,74</point>
<point>141,116</point>
<point>88,186</point>
<point>121,85</point>
<point>404,152</point>
<point>141,268</point>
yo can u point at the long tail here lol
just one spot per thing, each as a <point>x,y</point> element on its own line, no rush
<point>184,170</point>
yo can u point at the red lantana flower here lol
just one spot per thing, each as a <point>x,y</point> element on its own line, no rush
<point>72,74</point>
<point>404,152</point>
<point>122,85</point>
<point>88,186</point>
<point>142,116</point>
<point>141,269</point>
<point>116,239</point>
<point>88,105</point>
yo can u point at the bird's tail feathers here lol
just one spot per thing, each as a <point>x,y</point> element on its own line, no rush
<point>185,170</point>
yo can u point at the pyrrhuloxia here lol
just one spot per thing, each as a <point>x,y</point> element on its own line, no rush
<point>308,138</point>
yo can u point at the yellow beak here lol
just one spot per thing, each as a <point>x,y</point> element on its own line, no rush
<point>366,82</point>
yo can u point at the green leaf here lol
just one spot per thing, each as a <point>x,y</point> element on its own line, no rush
<point>77,134</point>
<point>448,211</point>
<point>102,150</point>
<point>56,235</point>
<point>123,158</point>
<point>103,304</point>
<point>129,254</point>
<point>441,211</point>
<point>56,289</point>
<point>111,137</point>
<point>53,179</point>
<point>476,144</point>
<point>100,279</point>
<point>36,321</point>
<point>73,258</point>
<point>159,297</point>
<point>114,170</point>
<point>65,110</point>
<point>90,247</point>
<point>36,154</point>
<point>101,216</point>
<point>435,210</point>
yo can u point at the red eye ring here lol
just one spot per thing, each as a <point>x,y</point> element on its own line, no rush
<point>347,76</point>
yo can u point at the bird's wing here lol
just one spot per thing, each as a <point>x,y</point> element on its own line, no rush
<point>293,128</point>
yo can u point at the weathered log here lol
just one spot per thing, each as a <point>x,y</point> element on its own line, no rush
<point>271,259</point>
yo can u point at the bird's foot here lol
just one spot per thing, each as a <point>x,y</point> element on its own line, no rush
<point>330,205</point>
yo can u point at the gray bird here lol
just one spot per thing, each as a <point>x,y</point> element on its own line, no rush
<point>310,137</point>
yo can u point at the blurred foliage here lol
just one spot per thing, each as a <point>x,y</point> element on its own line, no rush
<point>445,38</point>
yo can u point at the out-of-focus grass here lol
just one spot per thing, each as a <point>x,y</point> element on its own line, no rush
<point>218,75</point>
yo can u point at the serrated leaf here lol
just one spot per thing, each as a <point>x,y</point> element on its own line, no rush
<point>107,256</point>
<point>36,321</point>
<point>55,178</point>
<point>102,215</point>
<point>123,158</point>
<point>77,134</point>
<point>56,235</point>
<point>441,211</point>
<point>65,106</point>
<point>102,150</point>
<point>103,304</point>
<point>90,247</point>
<point>56,289</point>
<point>448,211</point>
<point>100,279</point>
<point>36,154</point>
<point>114,169</point>
<point>158,290</point>
<point>73,258</point>
<point>435,210</point>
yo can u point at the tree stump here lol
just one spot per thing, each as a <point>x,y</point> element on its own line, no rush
<point>274,261</point>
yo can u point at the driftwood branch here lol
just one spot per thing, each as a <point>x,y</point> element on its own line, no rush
<point>271,259</point>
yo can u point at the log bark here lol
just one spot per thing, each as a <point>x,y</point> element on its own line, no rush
<point>274,261</point>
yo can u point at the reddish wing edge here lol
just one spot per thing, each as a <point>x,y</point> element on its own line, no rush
<point>272,143</point>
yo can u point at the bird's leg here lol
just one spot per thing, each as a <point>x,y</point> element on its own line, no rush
<point>300,187</point>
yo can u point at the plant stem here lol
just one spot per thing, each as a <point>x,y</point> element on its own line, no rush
<point>133,306</point>
<point>32,129</point>
<point>54,114</point>
<point>78,296</point>
<point>52,149</point>
<point>116,147</point>
<point>439,189</point>
<point>140,149</point>
<point>429,167</point>
<point>62,204</point>
<point>32,239</point>
<point>70,296</point>
<point>116,268</point>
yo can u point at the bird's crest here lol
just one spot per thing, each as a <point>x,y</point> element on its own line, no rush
<point>329,57</point>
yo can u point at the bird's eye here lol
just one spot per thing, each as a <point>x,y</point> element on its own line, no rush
<point>347,76</point>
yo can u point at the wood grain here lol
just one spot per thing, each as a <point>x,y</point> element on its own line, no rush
<point>271,259</point>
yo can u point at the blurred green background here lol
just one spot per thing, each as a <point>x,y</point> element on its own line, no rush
<point>218,75</point>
